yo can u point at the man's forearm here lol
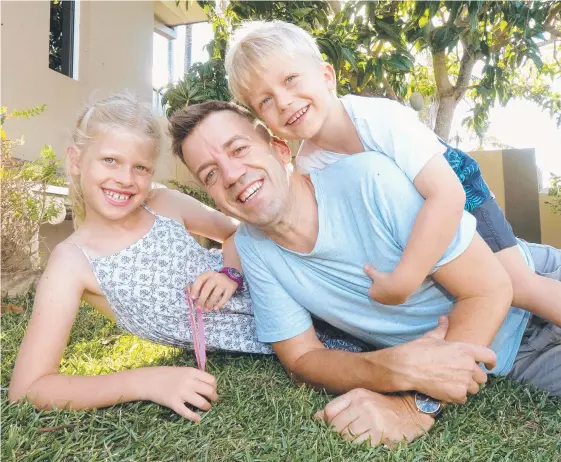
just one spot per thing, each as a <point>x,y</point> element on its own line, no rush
<point>339,371</point>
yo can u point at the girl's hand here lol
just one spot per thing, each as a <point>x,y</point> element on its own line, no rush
<point>174,386</point>
<point>211,290</point>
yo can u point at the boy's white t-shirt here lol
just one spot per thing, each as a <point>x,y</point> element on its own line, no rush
<point>384,126</point>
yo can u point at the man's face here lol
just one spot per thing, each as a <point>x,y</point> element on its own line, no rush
<point>244,172</point>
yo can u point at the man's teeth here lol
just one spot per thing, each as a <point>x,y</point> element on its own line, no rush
<point>296,116</point>
<point>249,192</point>
<point>116,196</point>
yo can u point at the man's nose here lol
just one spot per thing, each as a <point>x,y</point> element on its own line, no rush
<point>232,171</point>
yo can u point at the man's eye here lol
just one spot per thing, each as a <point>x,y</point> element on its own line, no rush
<point>210,177</point>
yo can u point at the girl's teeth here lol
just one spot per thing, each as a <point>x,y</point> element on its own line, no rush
<point>117,196</point>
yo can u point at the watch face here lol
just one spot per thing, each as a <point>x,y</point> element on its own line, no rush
<point>426,404</point>
<point>234,273</point>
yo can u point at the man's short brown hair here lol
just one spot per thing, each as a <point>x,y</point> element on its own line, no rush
<point>184,121</point>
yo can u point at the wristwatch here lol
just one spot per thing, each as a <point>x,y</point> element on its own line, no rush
<point>233,274</point>
<point>428,405</point>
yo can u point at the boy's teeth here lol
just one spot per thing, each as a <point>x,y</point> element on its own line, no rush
<point>296,116</point>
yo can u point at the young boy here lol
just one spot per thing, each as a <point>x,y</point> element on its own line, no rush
<point>276,69</point>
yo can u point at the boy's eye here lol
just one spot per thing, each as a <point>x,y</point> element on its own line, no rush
<point>290,78</point>
<point>265,100</point>
<point>109,160</point>
<point>141,168</point>
<point>239,150</point>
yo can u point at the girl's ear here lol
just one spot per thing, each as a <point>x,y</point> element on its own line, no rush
<point>73,156</point>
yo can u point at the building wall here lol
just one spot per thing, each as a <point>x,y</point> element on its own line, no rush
<point>512,176</point>
<point>115,53</point>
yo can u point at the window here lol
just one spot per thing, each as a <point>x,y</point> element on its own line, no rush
<point>61,38</point>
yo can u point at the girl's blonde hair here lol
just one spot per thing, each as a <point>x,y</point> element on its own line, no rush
<point>254,42</point>
<point>117,112</point>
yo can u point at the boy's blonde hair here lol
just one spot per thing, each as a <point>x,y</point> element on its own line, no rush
<point>254,42</point>
<point>121,112</point>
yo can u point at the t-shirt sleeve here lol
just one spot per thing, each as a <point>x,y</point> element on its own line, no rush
<point>392,129</point>
<point>277,315</point>
<point>398,203</point>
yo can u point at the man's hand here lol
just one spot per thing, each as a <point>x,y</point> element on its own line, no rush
<point>388,288</point>
<point>444,370</point>
<point>362,415</point>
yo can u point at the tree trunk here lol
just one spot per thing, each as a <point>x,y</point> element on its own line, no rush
<point>445,114</point>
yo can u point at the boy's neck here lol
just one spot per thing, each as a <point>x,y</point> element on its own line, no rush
<point>338,133</point>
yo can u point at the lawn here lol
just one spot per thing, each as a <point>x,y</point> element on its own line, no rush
<point>261,415</point>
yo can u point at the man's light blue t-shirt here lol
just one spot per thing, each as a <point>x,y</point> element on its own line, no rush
<point>367,207</point>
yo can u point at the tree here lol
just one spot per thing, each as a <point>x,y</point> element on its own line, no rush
<point>397,49</point>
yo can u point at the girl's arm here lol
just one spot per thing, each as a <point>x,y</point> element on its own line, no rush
<point>433,231</point>
<point>36,374</point>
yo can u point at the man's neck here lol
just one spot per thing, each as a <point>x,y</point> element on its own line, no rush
<point>298,229</point>
<point>338,133</point>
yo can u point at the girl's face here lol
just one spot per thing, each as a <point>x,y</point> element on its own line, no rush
<point>115,173</point>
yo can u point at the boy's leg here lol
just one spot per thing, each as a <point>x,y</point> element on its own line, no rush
<point>531,291</point>
<point>539,357</point>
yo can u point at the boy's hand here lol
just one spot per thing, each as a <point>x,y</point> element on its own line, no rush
<point>387,288</point>
<point>211,290</point>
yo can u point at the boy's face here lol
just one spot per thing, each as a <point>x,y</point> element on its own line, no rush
<point>293,96</point>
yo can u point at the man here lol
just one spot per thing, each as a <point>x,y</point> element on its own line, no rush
<point>303,249</point>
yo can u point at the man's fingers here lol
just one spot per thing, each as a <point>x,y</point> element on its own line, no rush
<point>344,419</point>
<point>199,282</point>
<point>473,388</point>
<point>481,354</point>
<point>479,375</point>
<point>319,415</point>
<point>184,411</point>
<point>439,332</point>
<point>336,406</point>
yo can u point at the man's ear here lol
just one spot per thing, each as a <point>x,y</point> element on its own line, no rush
<point>329,77</point>
<point>282,149</point>
<point>73,156</point>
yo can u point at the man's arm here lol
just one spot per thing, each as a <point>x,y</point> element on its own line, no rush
<point>443,369</point>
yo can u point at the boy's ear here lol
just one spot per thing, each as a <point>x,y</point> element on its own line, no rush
<point>282,149</point>
<point>73,158</point>
<point>329,76</point>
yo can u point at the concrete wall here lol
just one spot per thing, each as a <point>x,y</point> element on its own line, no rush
<point>115,53</point>
<point>512,176</point>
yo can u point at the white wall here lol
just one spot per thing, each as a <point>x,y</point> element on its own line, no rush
<point>115,41</point>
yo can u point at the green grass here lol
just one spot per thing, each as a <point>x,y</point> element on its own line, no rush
<point>260,416</point>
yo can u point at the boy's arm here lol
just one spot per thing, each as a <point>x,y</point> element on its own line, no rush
<point>433,230</point>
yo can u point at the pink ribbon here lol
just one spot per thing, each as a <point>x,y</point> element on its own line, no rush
<point>198,331</point>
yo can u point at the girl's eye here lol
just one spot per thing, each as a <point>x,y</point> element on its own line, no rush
<point>290,78</point>
<point>266,100</point>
